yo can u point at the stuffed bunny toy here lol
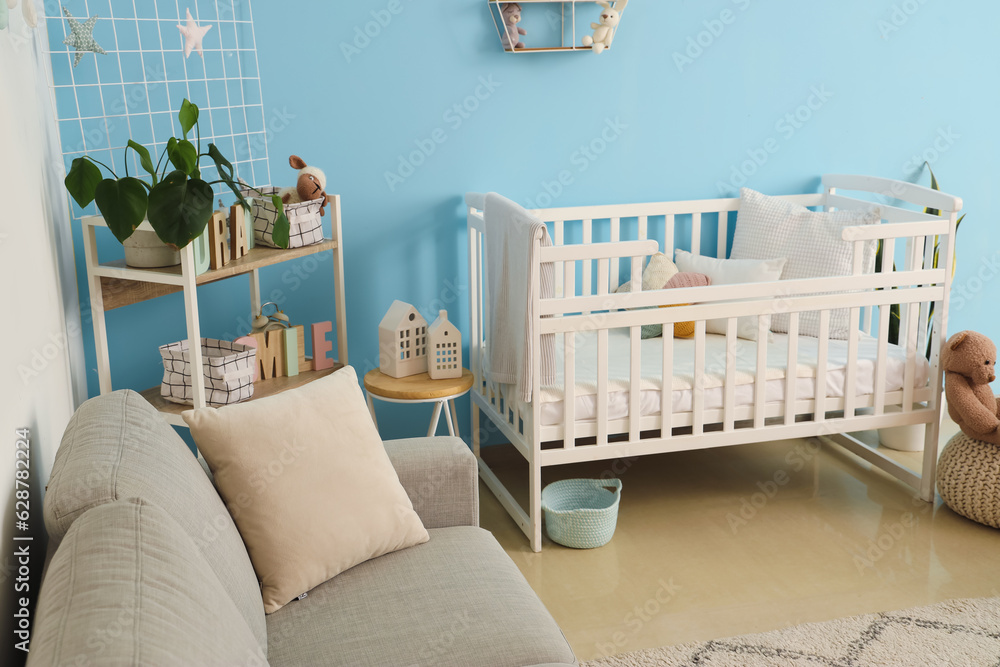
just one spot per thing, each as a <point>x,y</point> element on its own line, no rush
<point>969,361</point>
<point>511,14</point>
<point>311,185</point>
<point>604,32</point>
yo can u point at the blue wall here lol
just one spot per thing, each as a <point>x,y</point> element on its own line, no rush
<point>889,83</point>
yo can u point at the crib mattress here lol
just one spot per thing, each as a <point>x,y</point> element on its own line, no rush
<point>651,357</point>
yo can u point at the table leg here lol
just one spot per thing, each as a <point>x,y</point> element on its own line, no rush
<point>454,418</point>
<point>448,419</point>
<point>371,409</point>
<point>434,420</point>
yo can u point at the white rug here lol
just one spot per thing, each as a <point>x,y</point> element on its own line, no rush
<point>956,633</point>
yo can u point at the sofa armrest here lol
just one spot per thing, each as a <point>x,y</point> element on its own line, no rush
<point>441,478</point>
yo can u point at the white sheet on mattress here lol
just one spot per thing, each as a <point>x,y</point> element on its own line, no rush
<point>651,357</point>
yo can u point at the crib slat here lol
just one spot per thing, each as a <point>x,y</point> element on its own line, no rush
<point>668,235</point>
<point>904,309</point>
<point>880,358</point>
<point>850,381</point>
<point>569,389</point>
<point>643,227</point>
<point>723,234</point>
<point>729,405</point>
<point>698,398</point>
<point>569,285</point>
<point>667,390</point>
<point>588,284</point>
<point>635,384</point>
<point>615,237</point>
<point>911,358</point>
<point>559,234</point>
<point>791,367</point>
<point>822,354</point>
<point>602,386</point>
<point>696,233</point>
<point>925,307</point>
<point>760,380</point>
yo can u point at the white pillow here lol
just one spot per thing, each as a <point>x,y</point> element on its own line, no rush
<point>732,272</point>
<point>768,227</point>
<point>308,483</point>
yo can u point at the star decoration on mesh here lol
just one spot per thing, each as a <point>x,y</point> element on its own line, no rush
<point>193,34</point>
<point>81,36</point>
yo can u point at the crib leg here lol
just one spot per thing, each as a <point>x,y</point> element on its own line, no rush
<point>475,428</point>
<point>928,475</point>
<point>535,506</point>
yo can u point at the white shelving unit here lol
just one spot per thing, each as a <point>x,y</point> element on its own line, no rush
<point>115,285</point>
<point>567,20</point>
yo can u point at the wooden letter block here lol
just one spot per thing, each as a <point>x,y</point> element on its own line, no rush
<point>252,342</point>
<point>202,261</point>
<point>321,345</point>
<point>291,352</point>
<point>270,354</point>
<point>218,250</point>
<point>237,233</point>
<point>305,363</point>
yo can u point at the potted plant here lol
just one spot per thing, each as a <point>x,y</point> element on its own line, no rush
<point>175,203</point>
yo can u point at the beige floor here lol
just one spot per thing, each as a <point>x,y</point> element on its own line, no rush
<point>836,539</point>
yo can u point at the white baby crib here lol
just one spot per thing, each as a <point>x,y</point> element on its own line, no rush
<point>618,396</point>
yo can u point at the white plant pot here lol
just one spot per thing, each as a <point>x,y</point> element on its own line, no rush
<point>145,250</point>
<point>902,438</point>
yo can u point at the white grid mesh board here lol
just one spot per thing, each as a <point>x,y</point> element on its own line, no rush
<point>136,88</point>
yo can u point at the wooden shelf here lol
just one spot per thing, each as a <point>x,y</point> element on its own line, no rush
<point>261,389</point>
<point>123,285</point>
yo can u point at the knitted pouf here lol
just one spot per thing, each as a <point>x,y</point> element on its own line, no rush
<point>968,479</point>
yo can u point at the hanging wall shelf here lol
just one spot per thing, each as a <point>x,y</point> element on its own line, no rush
<point>506,17</point>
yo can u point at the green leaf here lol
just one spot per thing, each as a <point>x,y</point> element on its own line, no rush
<point>123,205</point>
<point>180,208</point>
<point>934,186</point>
<point>82,180</point>
<point>145,161</point>
<point>225,169</point>
<point>188,116</point>
<point>282,227</point>
<point>183,156</point>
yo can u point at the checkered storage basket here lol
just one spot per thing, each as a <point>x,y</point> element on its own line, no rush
<point>228,369</point>
<point>306,222</point>
<point>581,513</point>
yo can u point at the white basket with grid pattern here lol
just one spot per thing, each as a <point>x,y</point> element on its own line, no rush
<point>304,218</point>
<point>228,369</point>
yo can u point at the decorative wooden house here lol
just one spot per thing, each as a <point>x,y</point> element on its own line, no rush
<point>402,341</point>
<point>444,349</point>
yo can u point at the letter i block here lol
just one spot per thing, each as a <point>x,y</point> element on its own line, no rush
<point>218,250</point>
<point>237,233</point>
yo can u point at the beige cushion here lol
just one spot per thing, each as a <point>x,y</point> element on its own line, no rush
<point>128,586</point>
<point>657,273</point>
<point>308,482</point>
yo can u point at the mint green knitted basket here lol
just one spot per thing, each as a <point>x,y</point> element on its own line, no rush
<point>581,513</point>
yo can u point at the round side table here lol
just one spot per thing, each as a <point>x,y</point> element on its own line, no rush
<point>419,389</point>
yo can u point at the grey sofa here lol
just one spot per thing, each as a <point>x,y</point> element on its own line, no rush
<point>149,567</point>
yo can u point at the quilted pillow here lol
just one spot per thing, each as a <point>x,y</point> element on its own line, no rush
<point>656,274</point>
<point>732,272</point>
<point>769,227</point>
<point>681,280</point>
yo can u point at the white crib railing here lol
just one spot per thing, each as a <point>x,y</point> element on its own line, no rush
<point>588,272</point>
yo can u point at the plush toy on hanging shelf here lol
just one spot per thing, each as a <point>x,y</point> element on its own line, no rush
<point>604,31</point>
<point>310,186</point>
<point>511,15</point>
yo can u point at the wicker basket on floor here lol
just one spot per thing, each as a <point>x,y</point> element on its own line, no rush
<point>968,479</point>
<point>581,513</point>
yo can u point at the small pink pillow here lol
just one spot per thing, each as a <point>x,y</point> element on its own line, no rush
<point>686,279</point>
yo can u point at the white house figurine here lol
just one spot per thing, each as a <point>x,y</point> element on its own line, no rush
<point>444,349</point>
<point>402,341</point>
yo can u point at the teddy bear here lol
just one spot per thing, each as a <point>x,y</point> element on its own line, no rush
<point>310,185</point>
<point>969,361</point>
<point>511,14</point>
<point>604,32</point>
